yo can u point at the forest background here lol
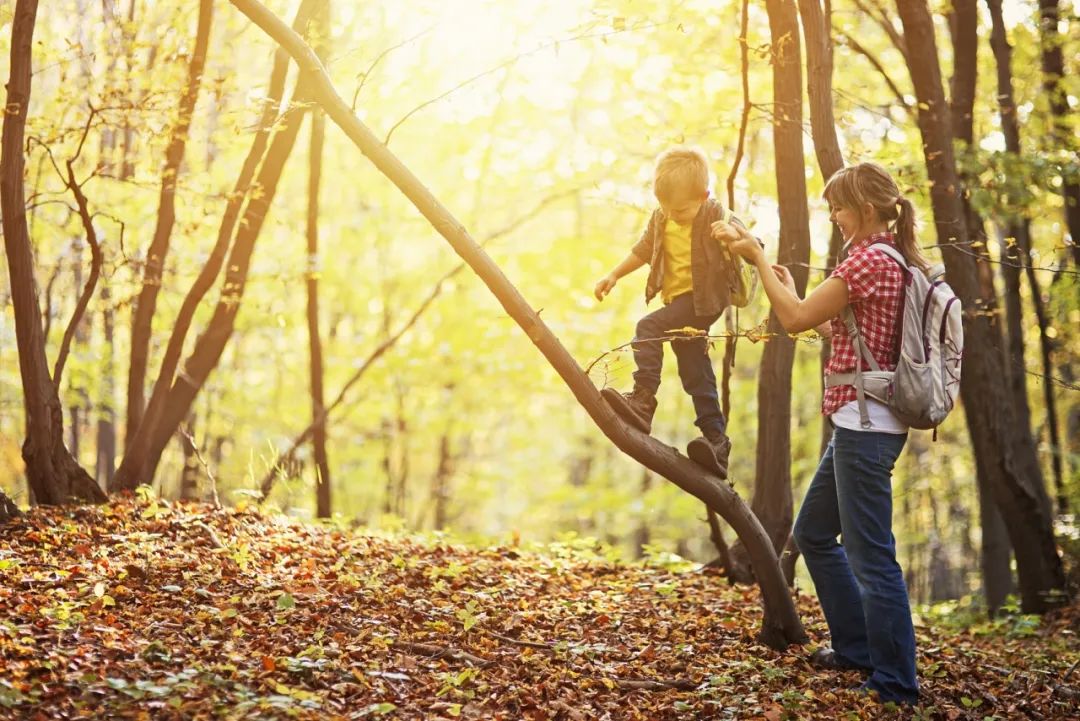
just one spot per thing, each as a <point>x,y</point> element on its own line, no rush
<point>536,124</point>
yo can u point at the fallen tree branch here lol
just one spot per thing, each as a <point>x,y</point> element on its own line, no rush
<point>433,651</point>
<point>645,684</point>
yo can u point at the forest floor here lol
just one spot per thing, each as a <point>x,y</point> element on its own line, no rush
<point>153,610</point>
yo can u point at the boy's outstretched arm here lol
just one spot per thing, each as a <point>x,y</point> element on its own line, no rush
<point>629,264</point>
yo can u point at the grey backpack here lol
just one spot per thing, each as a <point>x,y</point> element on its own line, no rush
<point>922,390</point>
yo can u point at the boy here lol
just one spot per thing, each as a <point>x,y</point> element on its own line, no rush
<point>695,277</point>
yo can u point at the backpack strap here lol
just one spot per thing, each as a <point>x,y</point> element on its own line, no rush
<point>863,353</point>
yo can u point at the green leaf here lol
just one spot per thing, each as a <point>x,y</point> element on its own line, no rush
<point>379,709</point>
<point>285,601</point>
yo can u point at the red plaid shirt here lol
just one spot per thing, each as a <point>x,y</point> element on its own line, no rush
<point>875,285</point>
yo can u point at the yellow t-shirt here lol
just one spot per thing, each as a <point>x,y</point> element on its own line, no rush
<point>677,278</point>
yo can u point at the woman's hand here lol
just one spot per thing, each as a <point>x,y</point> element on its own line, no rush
<point>785,278</point>
<point>737,240</point>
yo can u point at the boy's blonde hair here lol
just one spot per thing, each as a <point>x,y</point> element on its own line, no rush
<point>680,168</point>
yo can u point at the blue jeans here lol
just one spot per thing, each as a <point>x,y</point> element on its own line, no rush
<point>692,356</point>
<point>859,583</point>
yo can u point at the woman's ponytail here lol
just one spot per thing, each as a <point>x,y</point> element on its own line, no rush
<point>905,234</point>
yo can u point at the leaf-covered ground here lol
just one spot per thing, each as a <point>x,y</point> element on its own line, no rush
<point>148,610</point>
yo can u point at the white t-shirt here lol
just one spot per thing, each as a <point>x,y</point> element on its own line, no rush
<point>882,419</point>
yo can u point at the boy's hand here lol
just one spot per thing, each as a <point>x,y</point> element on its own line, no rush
<point>737,239</point>
<point>604,286</point>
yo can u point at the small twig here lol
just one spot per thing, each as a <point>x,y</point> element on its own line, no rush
<point>215,541</point>
<point>206,467</point>
<point>1056,381</point>
<point>1060,686</point>
<point>644,684</point>
<point>440,652</point>
<point>753,334</point>
<point>519,642</point>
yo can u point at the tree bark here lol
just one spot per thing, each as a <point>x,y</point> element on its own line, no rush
<point>781,624</point>
<point>1017,480</point>
<point>772,501</point>
<point>146,302</point>
<point>318,130</point>
<point>995,562</point>
<point>817,33</point>
<point>52,473</point>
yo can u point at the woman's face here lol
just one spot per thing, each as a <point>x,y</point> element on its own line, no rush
<point>853,224</point>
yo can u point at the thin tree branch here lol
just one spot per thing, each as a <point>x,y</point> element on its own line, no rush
<point>365,74</point>
<point>95,259</point>
<point>511,61</point>
<point>857,47</point>
<point>882,18</point>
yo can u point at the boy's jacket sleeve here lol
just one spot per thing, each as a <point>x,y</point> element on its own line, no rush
<point>643,249</point>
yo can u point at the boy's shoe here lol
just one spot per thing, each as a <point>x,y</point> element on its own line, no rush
<point>636,407</point>
<point>711,451</point>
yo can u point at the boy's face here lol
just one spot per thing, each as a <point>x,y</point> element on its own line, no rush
<point>683,205</point>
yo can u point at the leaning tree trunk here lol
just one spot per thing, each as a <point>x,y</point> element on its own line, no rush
<point>1017,482</point>
<point>772,502</point>
<point>53,474</point>
<point>143,310</point>
<point>318,131</point>
<point>781,624</point>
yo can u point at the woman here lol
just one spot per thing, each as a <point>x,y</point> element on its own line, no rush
<point>859,582</point>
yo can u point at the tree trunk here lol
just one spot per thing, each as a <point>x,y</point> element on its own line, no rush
<point>53,475</point>
<point>781,624</point>
<point>8,509</point>
<point>817,33</point>
<point>140,458</point>
<point>105,468</point>
<point>772,502</point>
<point>963,28</point>
<point>643,532</point>
<point>995,560</point>
<point>1053,70</point>
<point>146,302</point>
<point>318,126</point>
<point>1016,253</point>
<point>1017,482</point>
<point>1062,138</point>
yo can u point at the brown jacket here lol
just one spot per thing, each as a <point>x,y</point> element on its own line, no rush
<point>710,268</point>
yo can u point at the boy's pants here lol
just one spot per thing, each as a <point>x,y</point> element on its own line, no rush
<point>692,356</point>
<point>859,583</point>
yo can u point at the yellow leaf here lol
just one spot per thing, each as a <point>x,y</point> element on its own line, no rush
<point>687,331</point>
